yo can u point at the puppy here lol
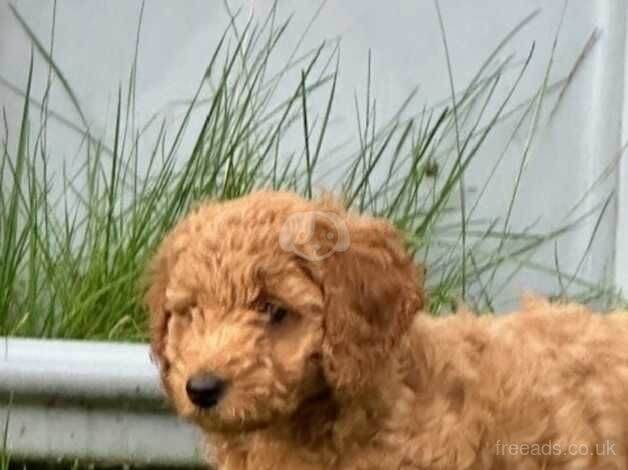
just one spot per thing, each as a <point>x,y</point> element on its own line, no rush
<point>289,331</point>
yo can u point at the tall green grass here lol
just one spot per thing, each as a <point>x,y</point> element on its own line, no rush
<point>70,265</point>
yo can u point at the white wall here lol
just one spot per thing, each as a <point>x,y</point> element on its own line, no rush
<point>94,47</point>
<point>621,261</point>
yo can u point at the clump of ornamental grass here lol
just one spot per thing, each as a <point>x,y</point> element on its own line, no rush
<point>73,246</point>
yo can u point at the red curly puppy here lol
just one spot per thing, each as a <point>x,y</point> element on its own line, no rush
<point>288,331</point>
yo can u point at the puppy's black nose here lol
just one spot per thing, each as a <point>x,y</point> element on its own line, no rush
<point>205,390</point>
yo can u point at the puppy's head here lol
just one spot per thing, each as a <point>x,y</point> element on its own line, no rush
<point>261,304</point>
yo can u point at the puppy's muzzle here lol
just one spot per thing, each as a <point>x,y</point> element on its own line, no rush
<point>205,390</point>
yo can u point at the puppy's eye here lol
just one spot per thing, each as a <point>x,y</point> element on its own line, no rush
<point>187,313</point>
<point>275,312</point>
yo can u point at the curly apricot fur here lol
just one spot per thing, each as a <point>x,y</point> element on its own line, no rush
<point>354,378</point>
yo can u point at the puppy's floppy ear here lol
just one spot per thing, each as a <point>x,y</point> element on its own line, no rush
<point>157,277</point>
<point>372,291</point>
<point>159,271</point>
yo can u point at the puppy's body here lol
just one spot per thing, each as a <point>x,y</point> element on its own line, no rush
<point>536,389</point>
<point>351,378</point>
<point>543,388</point>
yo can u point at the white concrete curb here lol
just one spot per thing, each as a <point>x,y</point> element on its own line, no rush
<point>98,402</point>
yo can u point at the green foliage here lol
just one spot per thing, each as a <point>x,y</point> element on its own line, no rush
<point>72,266</point>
